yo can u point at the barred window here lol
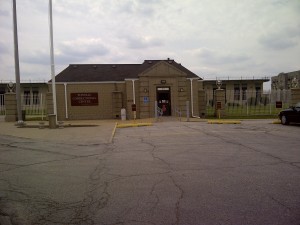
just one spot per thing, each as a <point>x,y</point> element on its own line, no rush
<point>244,91</point>
<point>237,92</point>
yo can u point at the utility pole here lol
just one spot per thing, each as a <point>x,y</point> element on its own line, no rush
<point>17,67</point>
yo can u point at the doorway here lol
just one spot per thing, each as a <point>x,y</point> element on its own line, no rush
<point>163,96</point>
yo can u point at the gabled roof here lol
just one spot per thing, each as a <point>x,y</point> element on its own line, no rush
<point>111,72</point>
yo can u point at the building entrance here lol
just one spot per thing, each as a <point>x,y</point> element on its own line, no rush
<point>163,97</point>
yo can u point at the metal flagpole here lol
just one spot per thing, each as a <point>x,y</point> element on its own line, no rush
<point>17,66</point>
<point>52,60</point>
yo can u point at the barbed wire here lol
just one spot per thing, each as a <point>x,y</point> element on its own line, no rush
<point>24,81</point>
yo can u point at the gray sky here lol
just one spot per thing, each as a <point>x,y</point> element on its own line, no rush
<point>212,38</point>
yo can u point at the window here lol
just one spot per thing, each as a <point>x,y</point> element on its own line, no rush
<point>26,97</point>
<point>237,92</point>
<point>2,90</point>
<point>35,96</point>
<point>257,93</point>
<point>244,91</point>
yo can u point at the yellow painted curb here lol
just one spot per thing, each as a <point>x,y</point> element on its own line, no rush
<point>223,121</point>
<point>276,122</point>
<point>133,125</point>
<point>113,133</point>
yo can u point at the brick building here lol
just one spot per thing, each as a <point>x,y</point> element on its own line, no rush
<point>100,91</point>
<point>286,81</point>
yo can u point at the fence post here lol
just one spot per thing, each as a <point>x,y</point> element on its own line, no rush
<point>270,102</point>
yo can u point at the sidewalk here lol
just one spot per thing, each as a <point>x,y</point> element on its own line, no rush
<point>79,131</point>
<point>83,131</point>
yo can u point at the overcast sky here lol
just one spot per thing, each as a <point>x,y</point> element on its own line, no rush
<point>212,38</point>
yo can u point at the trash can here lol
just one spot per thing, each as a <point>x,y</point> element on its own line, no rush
<point>123,114</point>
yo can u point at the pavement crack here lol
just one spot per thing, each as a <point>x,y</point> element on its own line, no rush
<point>234,142</point>
<point>154,156</point>
<point>156,196</point>
<point>179,199</point>
<point>278,202</point>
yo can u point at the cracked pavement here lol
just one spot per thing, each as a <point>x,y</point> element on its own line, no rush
<point>169,173</point>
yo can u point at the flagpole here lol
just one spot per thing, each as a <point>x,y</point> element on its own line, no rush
<point>52,60</point>
<point>17,66</point>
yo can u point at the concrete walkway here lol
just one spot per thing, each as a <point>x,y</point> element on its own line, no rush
<point>79,131</point>
<point>87,131</point>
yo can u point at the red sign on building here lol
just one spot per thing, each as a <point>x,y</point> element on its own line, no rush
<point>84,99</point>
<point>278,104</point>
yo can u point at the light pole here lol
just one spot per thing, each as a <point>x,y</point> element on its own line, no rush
<point>52,60</point>
<point>17,66</point>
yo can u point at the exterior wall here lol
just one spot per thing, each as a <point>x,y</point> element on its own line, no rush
<point>104,109</point>
<point>112,96</point>
<point>295,96</point>
<point>284,81</point>
<point>164,75</point>
<point>144,95</point>
<point>202,103</point>
<point>129,100</point>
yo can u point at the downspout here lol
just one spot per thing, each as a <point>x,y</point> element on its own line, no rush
<point>192,100</point>
<point>66,101</point>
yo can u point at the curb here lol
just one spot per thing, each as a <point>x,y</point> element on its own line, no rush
<point>113,133</point>
<point>224,122</point>
<point>276,122</point>
<point>133,125</point>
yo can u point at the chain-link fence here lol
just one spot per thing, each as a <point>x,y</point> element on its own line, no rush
<point>250,103</point>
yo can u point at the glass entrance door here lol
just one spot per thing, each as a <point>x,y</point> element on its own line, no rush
<point>163,96</point>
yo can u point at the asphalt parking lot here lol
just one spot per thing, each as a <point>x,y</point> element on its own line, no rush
<point>169,173</point>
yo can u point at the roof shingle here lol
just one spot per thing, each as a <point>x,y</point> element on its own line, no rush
<point>111,72</point>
